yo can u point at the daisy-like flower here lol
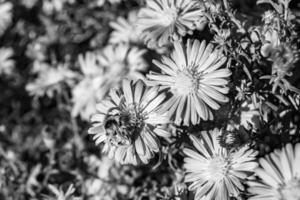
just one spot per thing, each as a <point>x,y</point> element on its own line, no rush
<point>89,90</point>
<point>127,123</point>
<point>50,80</point>
<point>164,20</point>
<point>6,63</point>
<point>214,172</point>
<point>121,60</point>
<point>125,30</point>
<point>104,71</point>
<point>279,175</point>
<point>6,16</point>
<point>193,77</point>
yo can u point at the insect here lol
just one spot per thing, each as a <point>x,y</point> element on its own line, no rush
<point>117,127</point>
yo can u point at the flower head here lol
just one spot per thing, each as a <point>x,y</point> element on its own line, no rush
<point>127,123</point>
<point>6,16</point>
<point>98,69</point>
<point>121,60</point>
<point>279,175</point>
<point>6,63</point>
<point>193,77</point>
<point>50,80</point>
<point>89,89</point>
<point>215,172</point>
<point>162,20</point>
<point>125,30</point>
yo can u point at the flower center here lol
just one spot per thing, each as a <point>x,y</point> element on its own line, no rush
<point>291,191</point>
<point>186,82</point>
<point>218,167</point>
<point>169,17</point>
<point>118,69</point>
<point>123,125</point>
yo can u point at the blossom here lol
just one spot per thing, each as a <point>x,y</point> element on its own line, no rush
<point>196,83</point>
<point>98,69</point>
<point>50,80</point>
<point>6,63</point>
<point>215,172</point>
<point>125,30</point>
<point>121,60</point>
<point>127,123</point>
<point>279,175</point>
<point>89,89</point>
<point>6,16</point>
<point>162,20</point>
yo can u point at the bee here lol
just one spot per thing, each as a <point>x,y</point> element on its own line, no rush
<point>117,128</point>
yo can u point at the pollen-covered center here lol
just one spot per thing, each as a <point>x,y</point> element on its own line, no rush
<point>291,190</point>
<point>217,167</point>
<point>123,125</point>
<point>186,82</point>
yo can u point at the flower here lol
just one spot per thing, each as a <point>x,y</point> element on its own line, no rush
<point>6,64</point>
<point>6,16</point>
<point>215,172</point>
<point>89,90</point>
<point>195,81</point>
<point>125,29</point>
<point>279,175</point>
<point>162,20</point>
<point>50,80</point>
<point>98,69</point>
<point>127,123</point>
<point>121,60</point>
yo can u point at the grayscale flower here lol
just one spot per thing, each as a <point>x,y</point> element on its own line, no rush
<point>6,63</point>
<point>214,171</point>
<point>127,123</point>
<point>164,20</point>
<point>279,175</point>
<point>193,77</point>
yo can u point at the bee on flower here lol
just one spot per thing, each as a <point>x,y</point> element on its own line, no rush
<point>278,176</point>
<point>215,172</point>
<point>6,15</point>
<point>192,75</point>
<point>127,123</point>
<point>162,21</point>
<point>6,63</point>
<point>50,80</point>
